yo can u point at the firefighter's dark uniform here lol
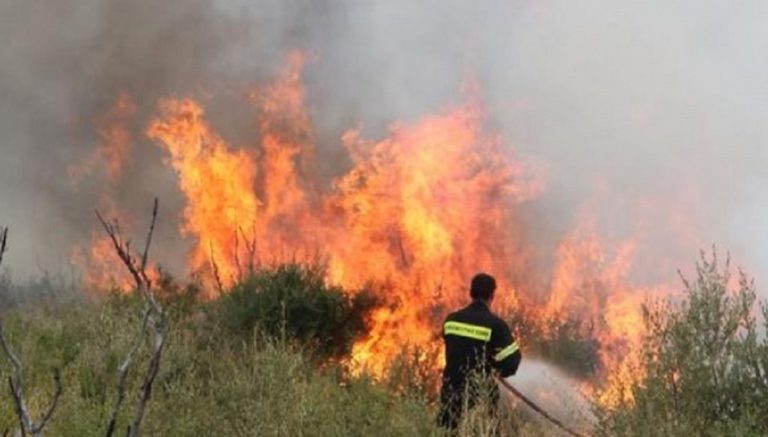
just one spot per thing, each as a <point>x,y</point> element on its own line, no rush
<point>475,340</point>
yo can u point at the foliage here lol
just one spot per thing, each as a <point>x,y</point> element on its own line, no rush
<point>294,301</point>
<point>210,382</point>
<point>214,380</point>
<point>705,364</point>
<point>568,342</point>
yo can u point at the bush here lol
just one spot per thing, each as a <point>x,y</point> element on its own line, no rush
<point>294,301</point>
<point>212,382</point>
<point>208,383</point>
<point>568,342</point>
<point>705,366</point>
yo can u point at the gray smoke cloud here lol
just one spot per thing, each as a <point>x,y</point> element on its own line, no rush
<point>637,109</point>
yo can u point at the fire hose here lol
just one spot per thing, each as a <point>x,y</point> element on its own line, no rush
<point>537,408</point>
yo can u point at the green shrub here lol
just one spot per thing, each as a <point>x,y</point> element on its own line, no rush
<point>705,365</point>
<point>294,301</point>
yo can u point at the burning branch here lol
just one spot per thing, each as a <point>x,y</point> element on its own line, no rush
<point>154,317</point>
<point>216,275</point>
<point>15,382</point>
<point>250,248</point>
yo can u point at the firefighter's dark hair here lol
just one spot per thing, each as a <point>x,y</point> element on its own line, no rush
<point>483,286</point>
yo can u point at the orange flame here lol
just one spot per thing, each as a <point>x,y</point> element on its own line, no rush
<point>416,214</point>
<point>218,183</point>
<point>101,270</point>
<point>432,204</point>
<point>115,145</point>
<point>420,211</point>
<point>97,262</point>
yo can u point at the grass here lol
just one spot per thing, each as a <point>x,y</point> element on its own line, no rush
<point>211,382</point>
<point>706,361</point>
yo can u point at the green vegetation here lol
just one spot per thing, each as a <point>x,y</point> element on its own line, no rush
<point>267,359</point>
<point>211,382</point>
<point>294,301</point>
<point>251,363</point>
<point>705,363</point>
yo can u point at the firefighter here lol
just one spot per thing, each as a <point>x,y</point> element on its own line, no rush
<point>477,342</point>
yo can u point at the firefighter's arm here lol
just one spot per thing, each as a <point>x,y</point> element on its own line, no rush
<point>506,352</point>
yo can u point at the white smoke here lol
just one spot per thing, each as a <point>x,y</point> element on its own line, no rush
<point>655,109</point>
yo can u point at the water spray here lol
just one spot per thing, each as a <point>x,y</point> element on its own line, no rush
<point>527,401</point>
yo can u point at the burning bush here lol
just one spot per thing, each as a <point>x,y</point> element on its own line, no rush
<point>294,300</point>
<point>705,367</point>
<point>413,372</point>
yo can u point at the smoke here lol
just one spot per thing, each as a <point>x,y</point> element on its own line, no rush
<point>647,115</point>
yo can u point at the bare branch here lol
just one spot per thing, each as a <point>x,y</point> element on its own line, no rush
<point>15,362</point>
<point>153,314</point>
<point>48,414</point>
<point>123,249</point>
<point>3,243</point>
<point>250,247</point>
<point>15,384</point>
<point>149,235</point>
<point>403,256</point>
<point>216,275</point>
<point>18,404</point>
<point>15,381</point>
<point>237,256</point>
<point>122,373</point>
<point>149,379</point>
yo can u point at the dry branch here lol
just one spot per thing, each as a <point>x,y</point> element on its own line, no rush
<point>250,247</point>
<point>49,413</point>
<point>146,386</point>
<point>3,243</point>
<point>16,382</point>
<point>122,373</point>
<point>216,275</point>
<point>154,316</point>
<point>237,257</point>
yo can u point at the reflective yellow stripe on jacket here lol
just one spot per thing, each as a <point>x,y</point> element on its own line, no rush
<point>507,351</point>
<point>467,330</point>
